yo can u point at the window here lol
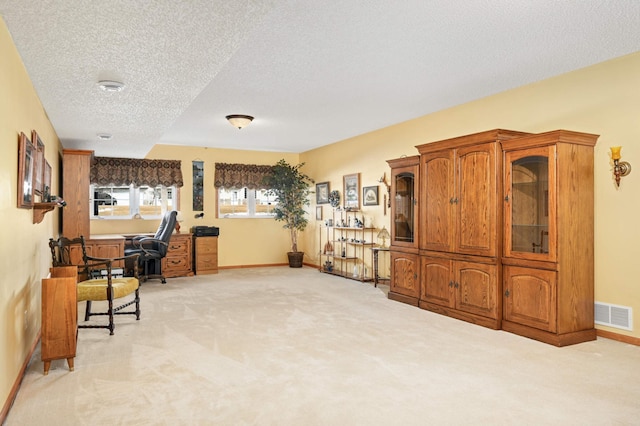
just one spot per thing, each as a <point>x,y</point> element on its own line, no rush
<point>123,202</point>
<point>245,203</point>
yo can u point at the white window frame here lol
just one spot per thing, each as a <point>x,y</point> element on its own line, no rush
<point>251,206</point>
<point>134,203</point>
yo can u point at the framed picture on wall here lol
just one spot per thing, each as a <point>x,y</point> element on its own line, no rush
<point>38,164</point>
<point>352,191</point>
<point>318,212</point>
<point>370,196</point>
<point>322,193</point>
<point>46,182</point>
<point>26,158</point>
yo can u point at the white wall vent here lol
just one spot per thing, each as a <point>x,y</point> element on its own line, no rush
<point>614,316</point>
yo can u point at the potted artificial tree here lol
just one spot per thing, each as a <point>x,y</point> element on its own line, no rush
<point>291,188</point>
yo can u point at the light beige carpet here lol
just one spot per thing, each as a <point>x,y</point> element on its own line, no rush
<point>280,346</point>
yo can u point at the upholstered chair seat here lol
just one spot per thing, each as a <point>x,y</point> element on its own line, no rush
<point>95,289</point>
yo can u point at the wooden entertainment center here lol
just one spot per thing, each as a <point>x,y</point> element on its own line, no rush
<point>501,232</point>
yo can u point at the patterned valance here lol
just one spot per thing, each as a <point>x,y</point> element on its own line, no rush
<point>127,171</point>
<point>236,176</point>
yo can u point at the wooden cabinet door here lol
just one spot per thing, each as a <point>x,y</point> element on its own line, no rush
<point>476,286</point>
<point>437,192</point>
<point>530,297</point>
<point>404,205</point>
<point>106,248</point>
<point>530,204</point>
<point>404,274</point>
<point>475,200</point>
<point>437,285</point>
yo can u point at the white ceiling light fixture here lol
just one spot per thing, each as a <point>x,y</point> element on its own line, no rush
<point>111,85</point>
<point>105,136</point>
<point>239,121</point>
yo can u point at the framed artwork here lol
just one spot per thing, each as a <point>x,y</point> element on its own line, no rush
<point>38,164</point>
<point>352,191</point>
<point>322,193</point>
<point>318,212</point>
<point>46,182</point>
<point>26,158</point>
<point>370,196</point>
<point>198,186</point>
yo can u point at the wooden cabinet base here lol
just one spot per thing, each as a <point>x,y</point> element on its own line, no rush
<point>59,317</point>
<point>402,298</point>
<point>454,313</point>
<point>550,338</point>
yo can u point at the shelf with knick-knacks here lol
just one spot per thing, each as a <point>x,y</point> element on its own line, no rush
<point>345,243</point>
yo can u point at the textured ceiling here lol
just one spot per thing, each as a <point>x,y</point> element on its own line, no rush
<point>311,72</point>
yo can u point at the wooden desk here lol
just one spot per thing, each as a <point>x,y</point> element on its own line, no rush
<point>206,255</point>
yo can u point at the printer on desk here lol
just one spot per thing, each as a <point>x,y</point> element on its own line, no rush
<point>205,231</point>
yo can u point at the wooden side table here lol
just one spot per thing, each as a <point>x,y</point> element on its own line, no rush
<point>376,277</point>
<point>59,316</point>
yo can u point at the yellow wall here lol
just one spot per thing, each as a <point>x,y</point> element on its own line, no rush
<point>24,253</point>
<point>603,99</point>
<point>241,241</point>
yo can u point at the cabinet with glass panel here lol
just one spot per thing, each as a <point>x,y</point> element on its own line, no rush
<point>548,271</point>
<point>405,262</point>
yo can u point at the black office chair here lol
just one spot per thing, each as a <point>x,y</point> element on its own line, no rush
<point>153,249</point>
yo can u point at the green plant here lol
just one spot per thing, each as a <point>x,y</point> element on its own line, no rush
<point>291,189</point>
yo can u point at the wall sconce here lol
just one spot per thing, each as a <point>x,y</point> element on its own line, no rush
<point>620,168</point>
<point>387,197</point>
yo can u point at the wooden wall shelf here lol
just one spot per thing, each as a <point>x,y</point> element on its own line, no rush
<point>40,209</point>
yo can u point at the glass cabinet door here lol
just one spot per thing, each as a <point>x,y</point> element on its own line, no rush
<point>530,204</point>
<point>404,207</point>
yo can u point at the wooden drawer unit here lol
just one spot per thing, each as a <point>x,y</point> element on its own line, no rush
<point>206,255</point>
<point>177,262</point>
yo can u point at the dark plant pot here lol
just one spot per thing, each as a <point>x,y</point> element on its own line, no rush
<point>295,259</point>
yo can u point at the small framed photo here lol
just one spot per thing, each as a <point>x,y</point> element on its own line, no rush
<point>26,160</point>
<point>352,191</point>
<point>370,196</point>
<point>318,212</point>
<point>46,182</point>
<point>38,164</point>
<point>322,193</point>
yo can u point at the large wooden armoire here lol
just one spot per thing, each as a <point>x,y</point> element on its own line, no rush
<point>499,243</point>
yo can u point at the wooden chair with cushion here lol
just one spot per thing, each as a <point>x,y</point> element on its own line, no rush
<point>98,279</point>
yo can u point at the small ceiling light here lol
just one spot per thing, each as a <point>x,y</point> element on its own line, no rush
<point>239,121</point>
<point>111,86</point>
<point>105,136</point>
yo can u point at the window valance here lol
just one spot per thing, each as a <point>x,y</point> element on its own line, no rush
<point>236,176</point>
<point>127,171</point>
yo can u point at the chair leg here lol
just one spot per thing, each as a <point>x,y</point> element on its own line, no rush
<point>138,303</point>
<point>87,312</point>
<point>110,311</point>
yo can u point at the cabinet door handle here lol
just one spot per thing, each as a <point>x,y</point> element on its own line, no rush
<point>415,276</point>
<point>506,293</point>
<point>450,283</point>
<point>456,285</point>
<point>506,198</point>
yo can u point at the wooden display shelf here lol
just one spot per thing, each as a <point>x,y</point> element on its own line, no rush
<point>40,209</point>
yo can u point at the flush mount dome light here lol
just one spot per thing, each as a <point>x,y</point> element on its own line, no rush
<point>105,136</point>
<point>111,85</point>
<point>239,121</point>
